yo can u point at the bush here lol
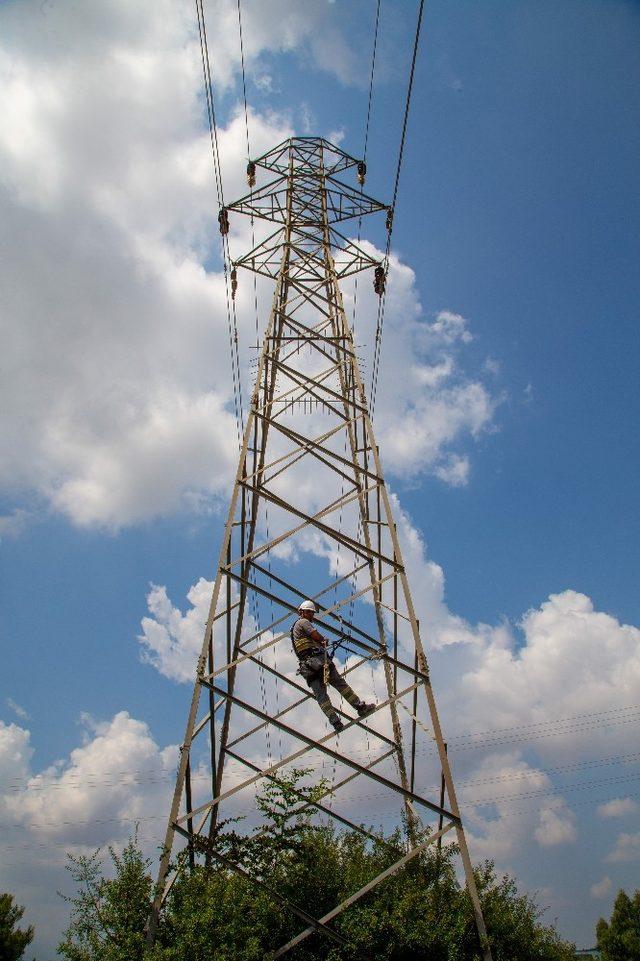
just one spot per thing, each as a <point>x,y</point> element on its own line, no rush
<point>216,913</point>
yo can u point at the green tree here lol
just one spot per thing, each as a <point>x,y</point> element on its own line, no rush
<point>13,941</point>
<point>619,939</point>
<point>419,913</point>
<point>108,915</point>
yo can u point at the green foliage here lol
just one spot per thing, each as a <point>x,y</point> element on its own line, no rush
<point>514,921</point>
<point>217,913</point>
<point>13,940</point>
<point>619,940</point>
<point>108,915</point>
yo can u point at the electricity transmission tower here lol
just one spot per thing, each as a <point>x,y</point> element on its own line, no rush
<point>310,517</point>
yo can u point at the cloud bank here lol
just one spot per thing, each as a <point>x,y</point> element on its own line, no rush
<point>115,390</point>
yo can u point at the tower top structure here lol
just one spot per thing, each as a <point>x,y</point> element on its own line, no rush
<point>312,152</point>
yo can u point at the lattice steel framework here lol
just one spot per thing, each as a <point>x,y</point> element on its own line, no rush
<point>309,495</point>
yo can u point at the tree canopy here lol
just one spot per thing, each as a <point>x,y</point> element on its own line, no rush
<point>217,914</point>
<point>619,939</point>
<point>13,940</point>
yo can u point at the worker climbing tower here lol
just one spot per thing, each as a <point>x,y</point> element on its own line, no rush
<point>311,518</point>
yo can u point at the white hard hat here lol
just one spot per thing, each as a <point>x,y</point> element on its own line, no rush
<point>308,606</point>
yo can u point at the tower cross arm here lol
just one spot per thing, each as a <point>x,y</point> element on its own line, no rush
<point>307,151</point>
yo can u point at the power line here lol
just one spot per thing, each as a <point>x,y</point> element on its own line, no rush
<point>552,732</point>
<point>355,303</point>
<point>574,766</point>
<point>373,66</point>
<point>554,792</point>
<point>381,306</point>
<point>405,120</point>
<point>553,722</point>
<point>256,611</point>
<point>215,151</point>
<point>246,127</point>
<point>208,89</point>
<point>596,782</point>
<point>386,812</point>
<point>244,85</point>
<point>364,150</point>
<point>392,812</point>
<point>143,776</point>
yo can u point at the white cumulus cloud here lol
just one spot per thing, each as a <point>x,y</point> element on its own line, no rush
<point>115,389</point>
<point>618,808</point>
<point>15,753</point>
<point>115,396</point>
<point>428,406</point>
<point>556,827</point>
<point>626,848</point>
<point>570,655</point>
<point>601,888</point>
<point>117,778</point>
<point>171,640</point>
<point>501,823</point>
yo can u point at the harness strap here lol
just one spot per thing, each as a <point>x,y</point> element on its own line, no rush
<point>312,652</point>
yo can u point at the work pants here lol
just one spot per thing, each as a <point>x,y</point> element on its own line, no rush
<point>336,680</point>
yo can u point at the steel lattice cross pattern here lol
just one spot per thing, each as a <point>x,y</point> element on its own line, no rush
<point>309,485</point>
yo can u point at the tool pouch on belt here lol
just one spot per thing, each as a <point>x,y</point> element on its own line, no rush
<point>310,666</point>
<point>313,664</point>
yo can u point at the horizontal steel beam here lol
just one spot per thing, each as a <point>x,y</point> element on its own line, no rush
<point>336,756</point>
<point>316,804</point>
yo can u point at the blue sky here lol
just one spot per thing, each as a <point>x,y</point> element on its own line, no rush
<point>518,211</point>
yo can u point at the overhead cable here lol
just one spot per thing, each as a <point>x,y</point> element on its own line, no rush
<point>554,728</point>
<point>365,146</point>
<point>407,105</point>
<point>226,256</point>
<point>554,792</point>
<point>403,137</point>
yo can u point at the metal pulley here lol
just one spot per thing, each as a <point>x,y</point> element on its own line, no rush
<point>379,279</point>
<point>362,172</point>
<point>223,221</point>
<point>234,283</point>
<point>251,173</point>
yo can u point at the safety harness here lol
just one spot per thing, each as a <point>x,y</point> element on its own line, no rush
<point>312,662</point>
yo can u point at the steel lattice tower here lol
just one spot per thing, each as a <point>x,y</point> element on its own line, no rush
<point>308,440</point>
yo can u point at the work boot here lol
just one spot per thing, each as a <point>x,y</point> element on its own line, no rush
<point>365,709</point>
<point>336,723</point>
